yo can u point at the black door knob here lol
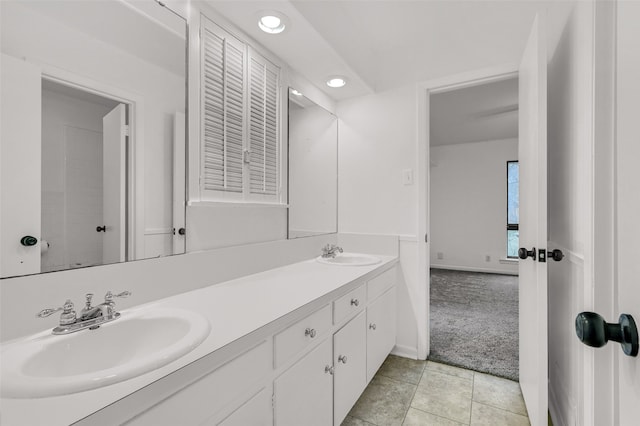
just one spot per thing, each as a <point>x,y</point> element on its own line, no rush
<point>182,231</point>
<point>592,330</point>
<point>28,241</point>
<point>555,254</point>
<point>523,253</point>
<point>102,228</point>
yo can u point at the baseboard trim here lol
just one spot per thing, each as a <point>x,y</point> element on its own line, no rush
<point>472,269</point>
<point>405,351</point>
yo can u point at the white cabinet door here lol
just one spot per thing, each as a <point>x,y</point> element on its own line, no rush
<point>303,394</point>
<point>350,361</point>
<point>381,330</point>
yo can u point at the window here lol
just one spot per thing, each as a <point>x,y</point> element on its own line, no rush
<point>240,101</point>
<point>513,208</point>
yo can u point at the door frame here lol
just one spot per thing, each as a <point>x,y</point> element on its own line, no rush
<point>423,93</point>
<point>135,149</point>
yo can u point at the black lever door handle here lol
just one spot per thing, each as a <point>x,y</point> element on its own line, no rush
<point>102,228</point>
<point>592,330</point>
<point>523,253</point>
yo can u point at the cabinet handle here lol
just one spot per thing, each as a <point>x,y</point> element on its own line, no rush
<point>328,369</point>
<point>342,359</point>
<point>355,302</point>
<point>372,326</point>
<point>311,332</point>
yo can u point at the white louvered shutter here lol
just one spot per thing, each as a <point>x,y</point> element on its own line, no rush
<point>223,110</point>
<point>263,143</point>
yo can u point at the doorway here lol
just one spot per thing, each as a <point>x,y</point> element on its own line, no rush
<point>84,178</point>
<point>474,226</point>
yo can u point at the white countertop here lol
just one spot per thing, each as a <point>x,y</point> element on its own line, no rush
<point>234,308</point>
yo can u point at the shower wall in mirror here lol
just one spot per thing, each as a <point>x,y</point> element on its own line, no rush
<point>93,109</point>
<point>313,168</point>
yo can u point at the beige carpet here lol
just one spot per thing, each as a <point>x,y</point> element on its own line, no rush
<point>474,321</point>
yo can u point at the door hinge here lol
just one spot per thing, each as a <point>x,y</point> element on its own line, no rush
<point>126,130</point>
<point>426,238</point>
<point>246,156</point>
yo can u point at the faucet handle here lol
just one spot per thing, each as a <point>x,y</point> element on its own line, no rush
<point>66,308</point>
<point>88,296</point>
<point>108,298</point>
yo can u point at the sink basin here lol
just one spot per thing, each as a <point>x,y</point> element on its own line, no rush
<point>138,342</point>
<point>350,259</point>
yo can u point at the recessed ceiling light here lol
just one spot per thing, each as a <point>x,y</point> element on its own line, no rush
<point>295,92</point>
<point>336,81</point>
<point>272,22</point>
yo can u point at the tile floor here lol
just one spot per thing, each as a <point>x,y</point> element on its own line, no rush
<point>409,393</point>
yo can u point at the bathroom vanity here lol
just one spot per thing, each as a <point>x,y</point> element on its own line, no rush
<point>289,346</point>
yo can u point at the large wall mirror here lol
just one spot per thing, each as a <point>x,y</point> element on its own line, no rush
<point>313,168</point>
<point>93,97</point>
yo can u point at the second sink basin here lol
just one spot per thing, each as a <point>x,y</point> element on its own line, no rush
<point>138,342</point>
<point>350,259</point>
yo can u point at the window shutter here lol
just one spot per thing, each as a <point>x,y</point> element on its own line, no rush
<point>222,110</point>
<point>263,127</point>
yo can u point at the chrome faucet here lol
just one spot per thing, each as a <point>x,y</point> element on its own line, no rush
<point>330,251</point>
<point>90,317</point>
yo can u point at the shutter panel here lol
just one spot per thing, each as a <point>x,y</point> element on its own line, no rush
<point>222,110</point>
<point>263,126</point>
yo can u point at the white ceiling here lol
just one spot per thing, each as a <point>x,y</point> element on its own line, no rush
<point>143,29</point>
<point>475,114</point>
<point>382,44</point>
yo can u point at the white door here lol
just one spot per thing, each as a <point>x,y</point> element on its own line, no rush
<point>20,156</point>
<point>179,183</point>
<point>114,184</point>
<point>350,364</point>
<point>304,393</point>
<point>627,205</point>
<point>532,154</point>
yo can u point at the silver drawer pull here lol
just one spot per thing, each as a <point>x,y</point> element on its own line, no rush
<point>355,302</point>
<point>342,359</point>
<point>372,326</point>
<point>310,332</point>
<point>328,369</point>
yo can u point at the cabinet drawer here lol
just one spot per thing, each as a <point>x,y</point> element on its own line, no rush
<point>207,396</point>
<point>301,334</point>
<point>349,304</point>
<point>376,286</point>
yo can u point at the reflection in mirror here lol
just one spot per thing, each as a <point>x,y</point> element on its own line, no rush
<point>93,111</point>
<point>313,168</point>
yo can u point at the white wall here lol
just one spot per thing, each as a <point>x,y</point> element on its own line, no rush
<point>377,135</point>
<point>469,205</point>
<point>216,225</point>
